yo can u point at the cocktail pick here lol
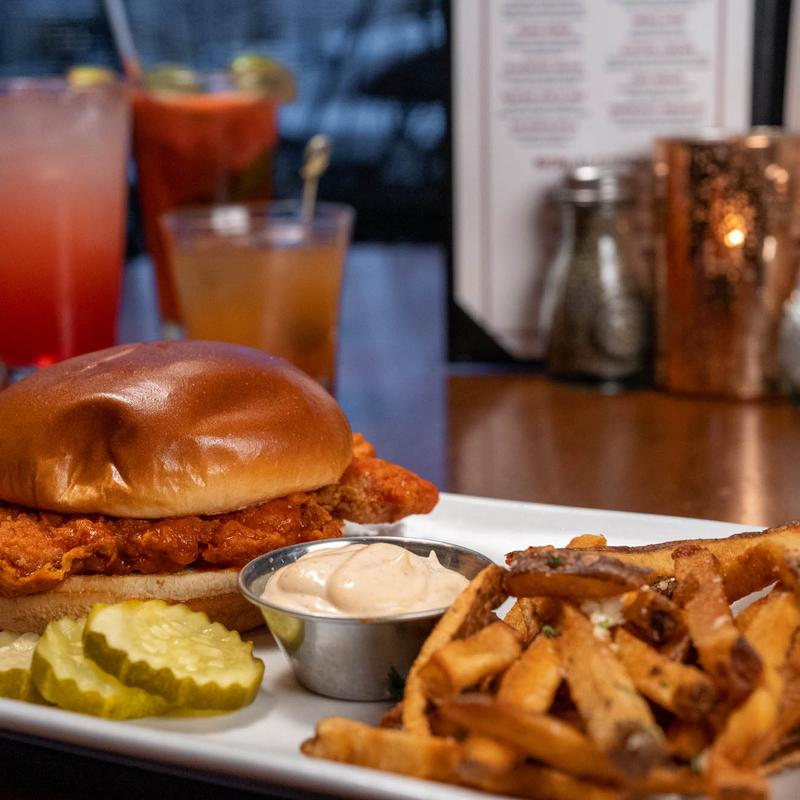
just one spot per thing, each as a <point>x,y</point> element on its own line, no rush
<point>316,158</point>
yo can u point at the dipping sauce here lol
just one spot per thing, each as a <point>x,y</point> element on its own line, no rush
<point>364,580</point>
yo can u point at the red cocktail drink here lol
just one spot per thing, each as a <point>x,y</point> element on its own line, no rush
<point>199,148</point>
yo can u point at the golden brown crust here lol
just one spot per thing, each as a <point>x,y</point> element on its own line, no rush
<point>165,429</point>
<point>213,591</point>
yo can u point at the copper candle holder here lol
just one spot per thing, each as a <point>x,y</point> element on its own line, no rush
<point>726,262</point>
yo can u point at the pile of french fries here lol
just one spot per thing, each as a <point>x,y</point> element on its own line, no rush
<point>617,673</point>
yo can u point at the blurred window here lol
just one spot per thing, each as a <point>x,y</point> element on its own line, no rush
<point>373,74</point>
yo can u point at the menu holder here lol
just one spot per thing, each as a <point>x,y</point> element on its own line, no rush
<point>540,87</point>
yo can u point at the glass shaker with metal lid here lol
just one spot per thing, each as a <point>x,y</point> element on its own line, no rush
<point>595,314</point>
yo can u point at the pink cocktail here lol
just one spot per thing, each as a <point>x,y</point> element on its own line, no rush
<point>62,216</point>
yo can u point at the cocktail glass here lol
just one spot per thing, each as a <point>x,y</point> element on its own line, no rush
<point>213,144</point>
<point>261,275</point>
<point>63,190</point>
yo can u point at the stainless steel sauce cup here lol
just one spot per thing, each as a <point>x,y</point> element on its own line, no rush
<point>345,657</point>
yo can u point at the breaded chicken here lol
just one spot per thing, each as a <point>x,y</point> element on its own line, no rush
<point>38,550</point>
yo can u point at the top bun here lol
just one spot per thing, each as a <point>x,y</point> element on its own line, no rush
<point>166,429</point>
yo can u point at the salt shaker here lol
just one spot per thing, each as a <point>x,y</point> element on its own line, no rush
<point>595,312</point>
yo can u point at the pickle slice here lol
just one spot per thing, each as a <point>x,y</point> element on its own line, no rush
<point>172,651</point>
<point>70,680</point>
<point>16,652</point>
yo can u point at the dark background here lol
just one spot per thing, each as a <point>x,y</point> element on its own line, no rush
<point>373,74</point>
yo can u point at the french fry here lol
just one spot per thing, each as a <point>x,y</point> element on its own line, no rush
<point>532,681</point>
<point>658,557</point>
<point>789,713</point>
<point>542,736</point>
<point>540,783</point>
<point>783,759</point>
<point>482,754</point>
<point>753,569</point>
<point>393,718</point>
<point>686,740</point>
<point>351,742</point>
<point>670,780</point>
<point>748,614</point>
<point>463,663</point>
<point>727,781</point>
<point>680,688</point>
<point>471,610</point>
<point>588,541</point>
<point>572,574</point>
<point>656,617</point>
<point>724,653</point>
<point>751,731</point>
<point>529,614</point>
<point>618,719</point>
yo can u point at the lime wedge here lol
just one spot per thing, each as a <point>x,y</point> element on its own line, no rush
<point>174,652</point>
<point>256,73</point>
<point>16,653</point>
<point>90,75</point>
<point>65,677</point>
<point>172,78</point>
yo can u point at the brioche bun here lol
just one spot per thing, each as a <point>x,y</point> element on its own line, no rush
<point>162,429</point>
<point>167,429</point>
<point>215,592</point>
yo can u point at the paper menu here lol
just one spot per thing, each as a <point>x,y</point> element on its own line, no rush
<point>541,85</point>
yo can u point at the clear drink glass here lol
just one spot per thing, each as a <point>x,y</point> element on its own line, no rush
<point>63,189</point>
<point>260,275</point>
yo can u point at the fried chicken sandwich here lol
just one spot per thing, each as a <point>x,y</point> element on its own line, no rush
<point>159,469</point>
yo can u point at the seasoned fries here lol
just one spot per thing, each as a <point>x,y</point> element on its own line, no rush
<point>618,673</point>
<point>725,654</point>
<point>465,662</point>
<point>680,688</point>
<point>471,611</point>
<point>542,736</point>
<point>531,682</point>
<point>618,719</point>
<point>751,730</point>
<point>339,739</point>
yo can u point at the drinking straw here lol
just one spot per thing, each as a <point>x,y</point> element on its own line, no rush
<point>121,31</point>
<point>316,158</point>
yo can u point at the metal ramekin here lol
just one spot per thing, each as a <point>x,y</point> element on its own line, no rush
<point>345,657</point>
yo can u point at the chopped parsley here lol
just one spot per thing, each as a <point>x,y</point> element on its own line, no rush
<point>549,631</point>
<point>555,561</point>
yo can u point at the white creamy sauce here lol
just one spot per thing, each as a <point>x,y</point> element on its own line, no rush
<point>364,580</point>
<point>604,614</point>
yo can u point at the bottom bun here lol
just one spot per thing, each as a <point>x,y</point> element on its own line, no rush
<point>216,592</point>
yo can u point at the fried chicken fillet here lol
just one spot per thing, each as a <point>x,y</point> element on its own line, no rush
<point>39,550</point>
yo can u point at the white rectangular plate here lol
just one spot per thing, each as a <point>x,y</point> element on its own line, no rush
<point>260,743</point>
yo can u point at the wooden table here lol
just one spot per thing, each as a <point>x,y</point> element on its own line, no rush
<point>521,436</point>
<point>489,432</point>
